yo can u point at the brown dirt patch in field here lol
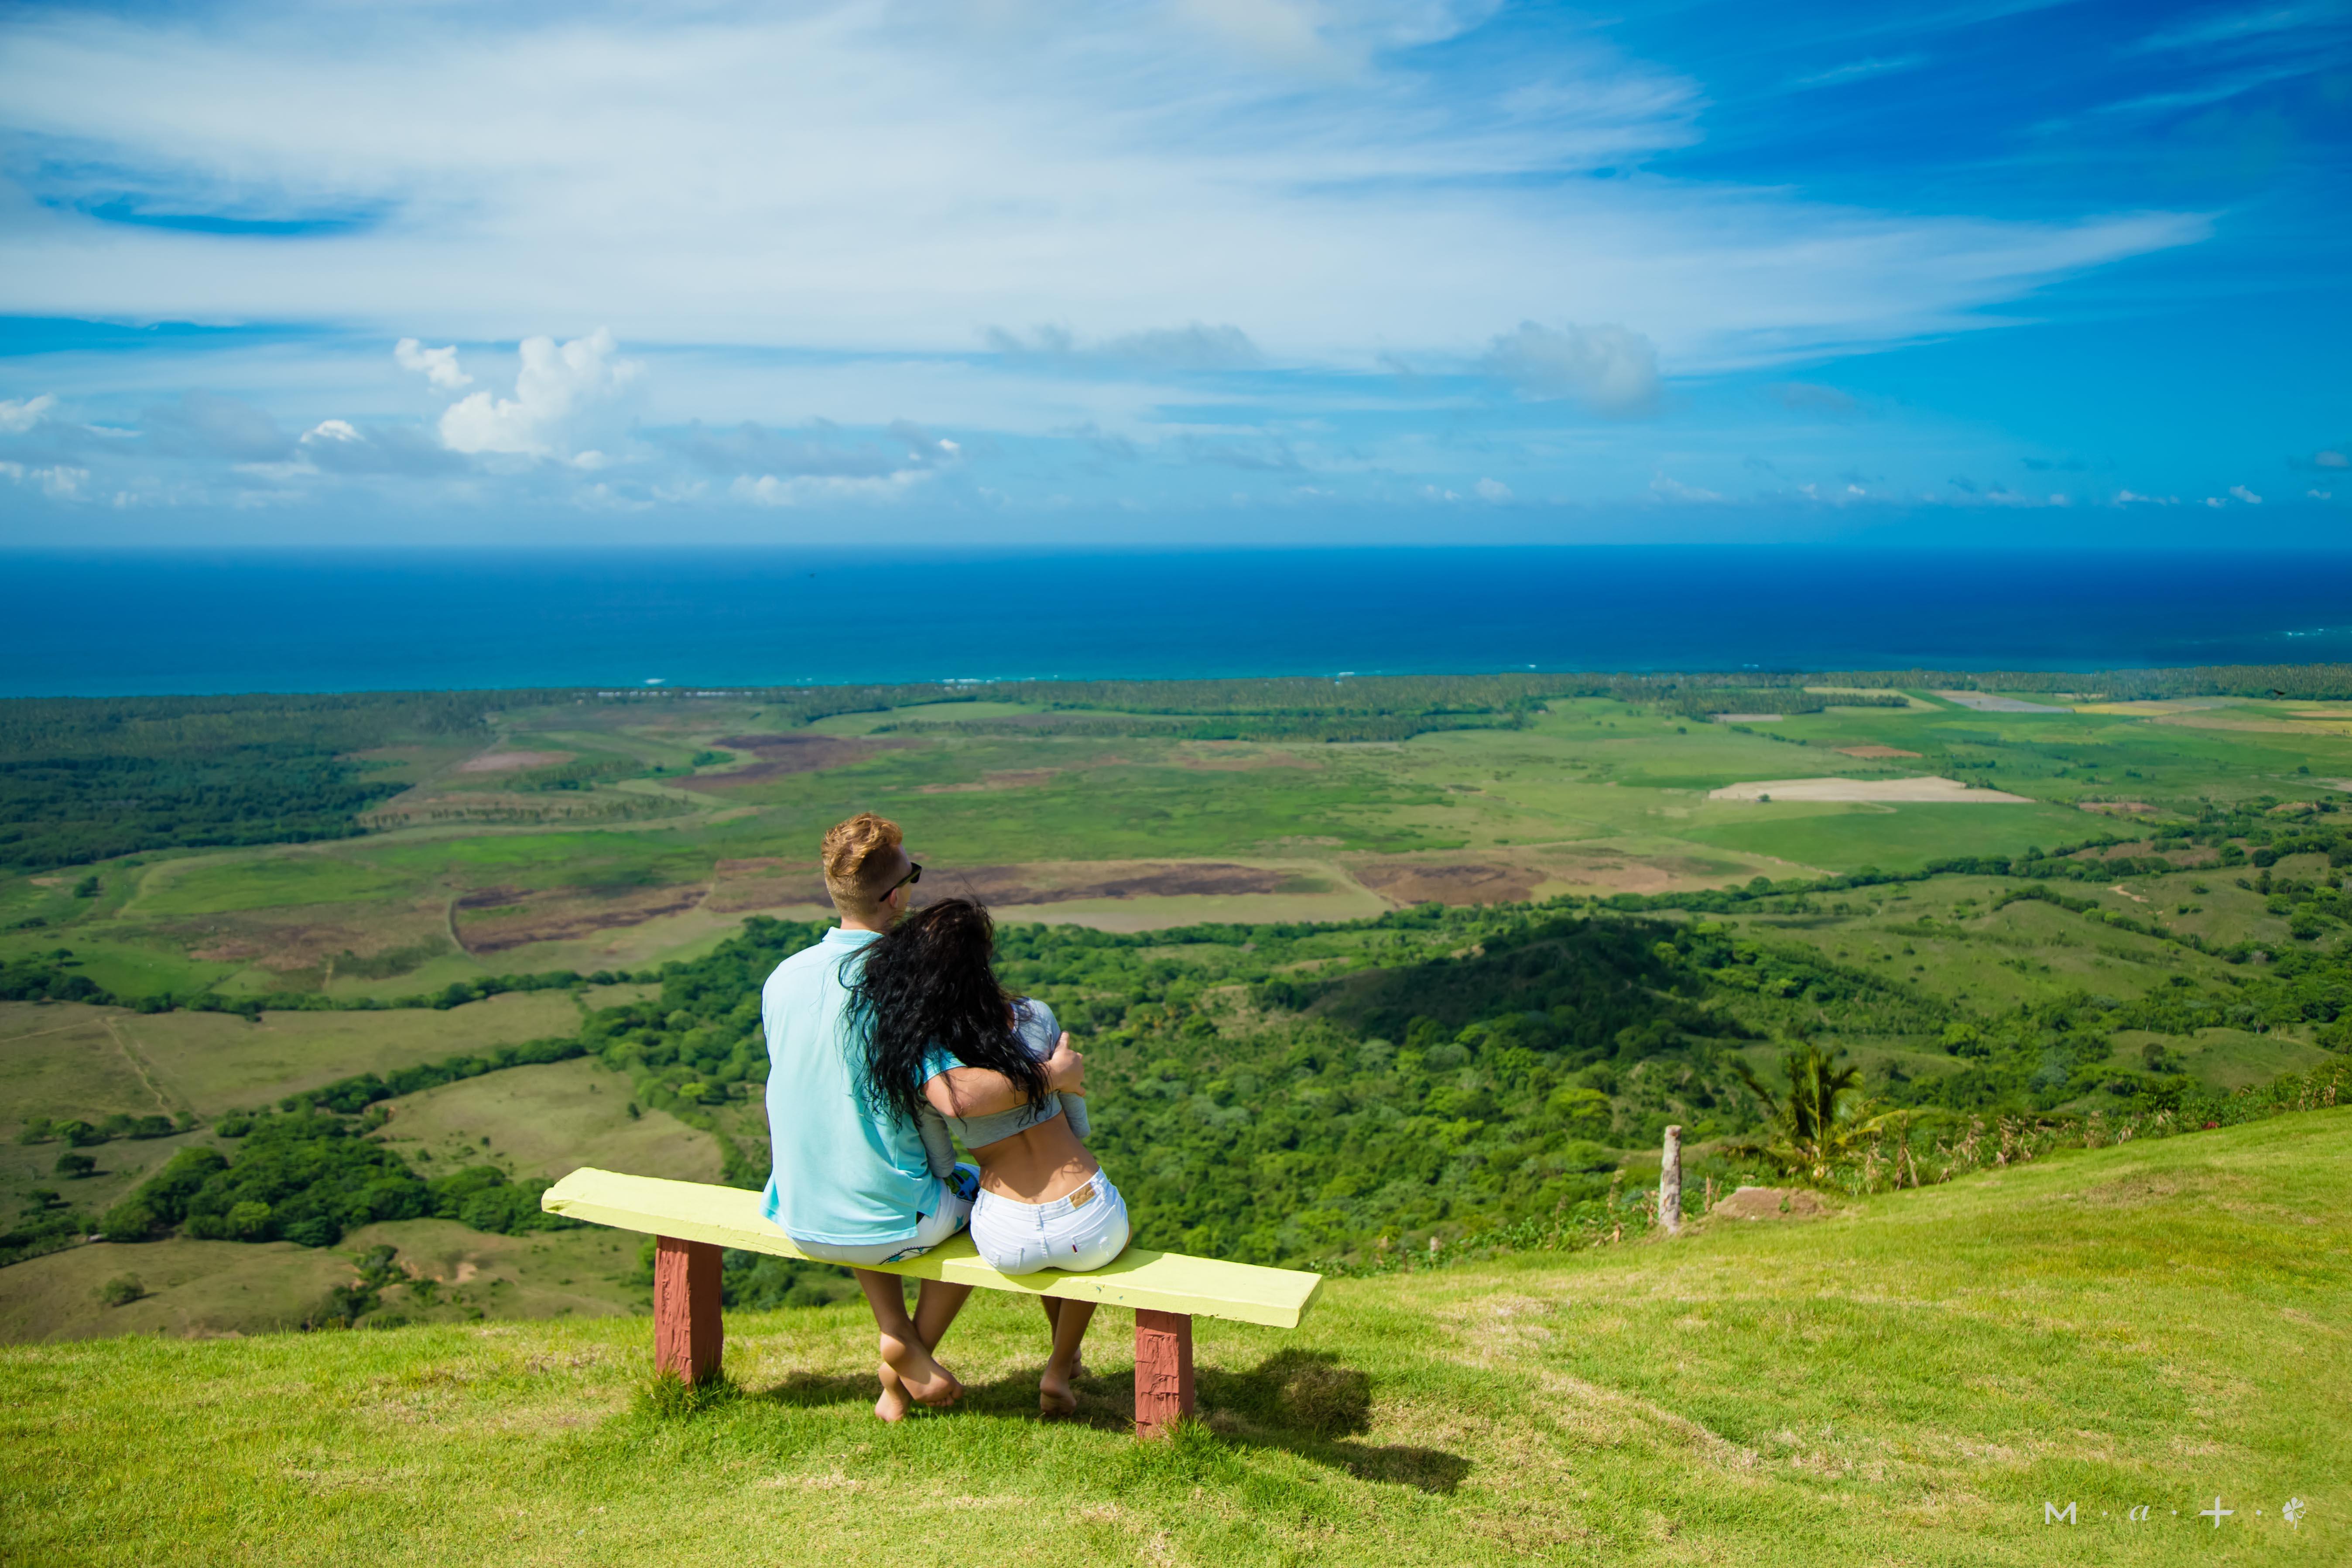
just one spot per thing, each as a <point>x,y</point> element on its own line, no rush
<point>782,756</point>
<point>492,919</point>
<point>2117,807</point>
<point>1025,778</point>
<point>740,885</point>
<point>420,806</point>
<point>287,942</point>
<point>1873,754</point>
<point>1772,1203</point>
<point>228,950</point>
<point>508,762</point>
<point>1069,880</point>
<point>1622,873</point>
<point>1414,883</point>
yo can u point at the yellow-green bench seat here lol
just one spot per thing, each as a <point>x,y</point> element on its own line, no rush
<point>692,1222</point>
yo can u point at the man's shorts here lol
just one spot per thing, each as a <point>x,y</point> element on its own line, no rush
<point>956,1193</point>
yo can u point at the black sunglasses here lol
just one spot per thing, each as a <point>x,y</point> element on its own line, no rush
<point>909,880</point>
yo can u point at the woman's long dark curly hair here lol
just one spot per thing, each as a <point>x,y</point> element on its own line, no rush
<point>929,984</point>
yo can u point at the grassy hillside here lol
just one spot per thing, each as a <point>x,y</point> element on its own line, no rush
<point>1908,1381</point>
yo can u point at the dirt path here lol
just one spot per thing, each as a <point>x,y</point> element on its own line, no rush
<point>140,1065</point>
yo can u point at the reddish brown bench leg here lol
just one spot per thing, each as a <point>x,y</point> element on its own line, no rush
<point>687,1334</point>
<point>1163,1370</point>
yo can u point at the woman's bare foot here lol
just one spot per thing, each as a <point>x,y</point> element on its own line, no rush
<point>893,1403</point>
<point>1053,1394</point>
<point>909,1377</point>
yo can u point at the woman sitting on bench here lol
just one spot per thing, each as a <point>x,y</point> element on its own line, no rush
<point>932,1003</point>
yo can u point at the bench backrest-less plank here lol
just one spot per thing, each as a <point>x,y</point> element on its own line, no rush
<point>692,1222</point>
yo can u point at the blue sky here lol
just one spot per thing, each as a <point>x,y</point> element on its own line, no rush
<point>1175,270</point>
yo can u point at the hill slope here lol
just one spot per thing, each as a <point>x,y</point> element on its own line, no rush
<point>1909,1380</point>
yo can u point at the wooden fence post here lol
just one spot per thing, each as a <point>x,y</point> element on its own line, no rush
<point>689,1334</point>
<point>1670,1184</point>
<point>1163,1370</point>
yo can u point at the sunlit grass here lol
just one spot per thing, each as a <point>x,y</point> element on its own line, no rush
<point>1909,1381</point>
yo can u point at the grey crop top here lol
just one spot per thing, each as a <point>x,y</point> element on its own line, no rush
<point>1034,1023</point>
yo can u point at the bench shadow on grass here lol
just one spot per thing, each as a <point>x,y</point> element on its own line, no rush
<point>1300,1401</point>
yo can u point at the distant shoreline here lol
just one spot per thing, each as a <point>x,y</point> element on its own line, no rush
<point>121,623</point>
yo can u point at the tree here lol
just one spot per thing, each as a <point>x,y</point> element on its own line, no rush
<point>1814,1123</point>
<point>73,1167</point>
<point>121,1290</point>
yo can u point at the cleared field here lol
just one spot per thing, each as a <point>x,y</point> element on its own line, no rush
<point>276,879</point>
<point>207,1290</point>
<point>1921,791</point>
<point>218,1061</point>
<point>1891,838</point>
<point>56,1056</point>
<point>546,1121</point>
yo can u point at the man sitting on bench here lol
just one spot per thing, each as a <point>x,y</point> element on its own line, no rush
<point>851,1182</point>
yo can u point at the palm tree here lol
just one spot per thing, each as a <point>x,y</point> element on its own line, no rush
<point>1814,1123</point>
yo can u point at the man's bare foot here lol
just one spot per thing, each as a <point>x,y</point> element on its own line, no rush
<point>1054,1396</point>
<point>917,1378</point>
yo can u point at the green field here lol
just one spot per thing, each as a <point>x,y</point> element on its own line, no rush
<point>1924,1378</point>
<point>526,867</point>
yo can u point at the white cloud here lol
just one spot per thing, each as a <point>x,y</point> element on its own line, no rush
<point>438,366</point>
<point>1675,490</point>
<point>1495,490</point>
<point>2216,502</point>
<point>58,482</point>
<point>558,389</point>
<point>2243,494</point>
<point>2131,497</point>
<point>21,415</point>
<point>1609,369</point>
<point>331,430</point>
<point>2321,495</point>
<point>815,489</point>
<point>2332,460</point>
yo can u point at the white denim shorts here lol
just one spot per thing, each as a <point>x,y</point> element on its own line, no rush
<point>931,1229</point>
<point>1082,1231</point>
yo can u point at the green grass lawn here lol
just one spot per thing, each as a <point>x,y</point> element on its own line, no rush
<point>1909,1381</point>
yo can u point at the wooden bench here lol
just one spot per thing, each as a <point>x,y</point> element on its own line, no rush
<point>692,1223</point>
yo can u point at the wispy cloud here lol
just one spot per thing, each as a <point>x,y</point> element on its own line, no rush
<point>1859,70</point>
<point>1196,347</point>
<point>1014,258</point>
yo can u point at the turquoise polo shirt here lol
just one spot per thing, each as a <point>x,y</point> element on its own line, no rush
<point>847,1173</point>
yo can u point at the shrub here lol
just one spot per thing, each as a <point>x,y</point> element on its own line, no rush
<point>130,1220</point>
<point>121,1290</point>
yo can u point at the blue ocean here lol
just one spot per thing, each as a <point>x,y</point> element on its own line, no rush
<point>116,624</point>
